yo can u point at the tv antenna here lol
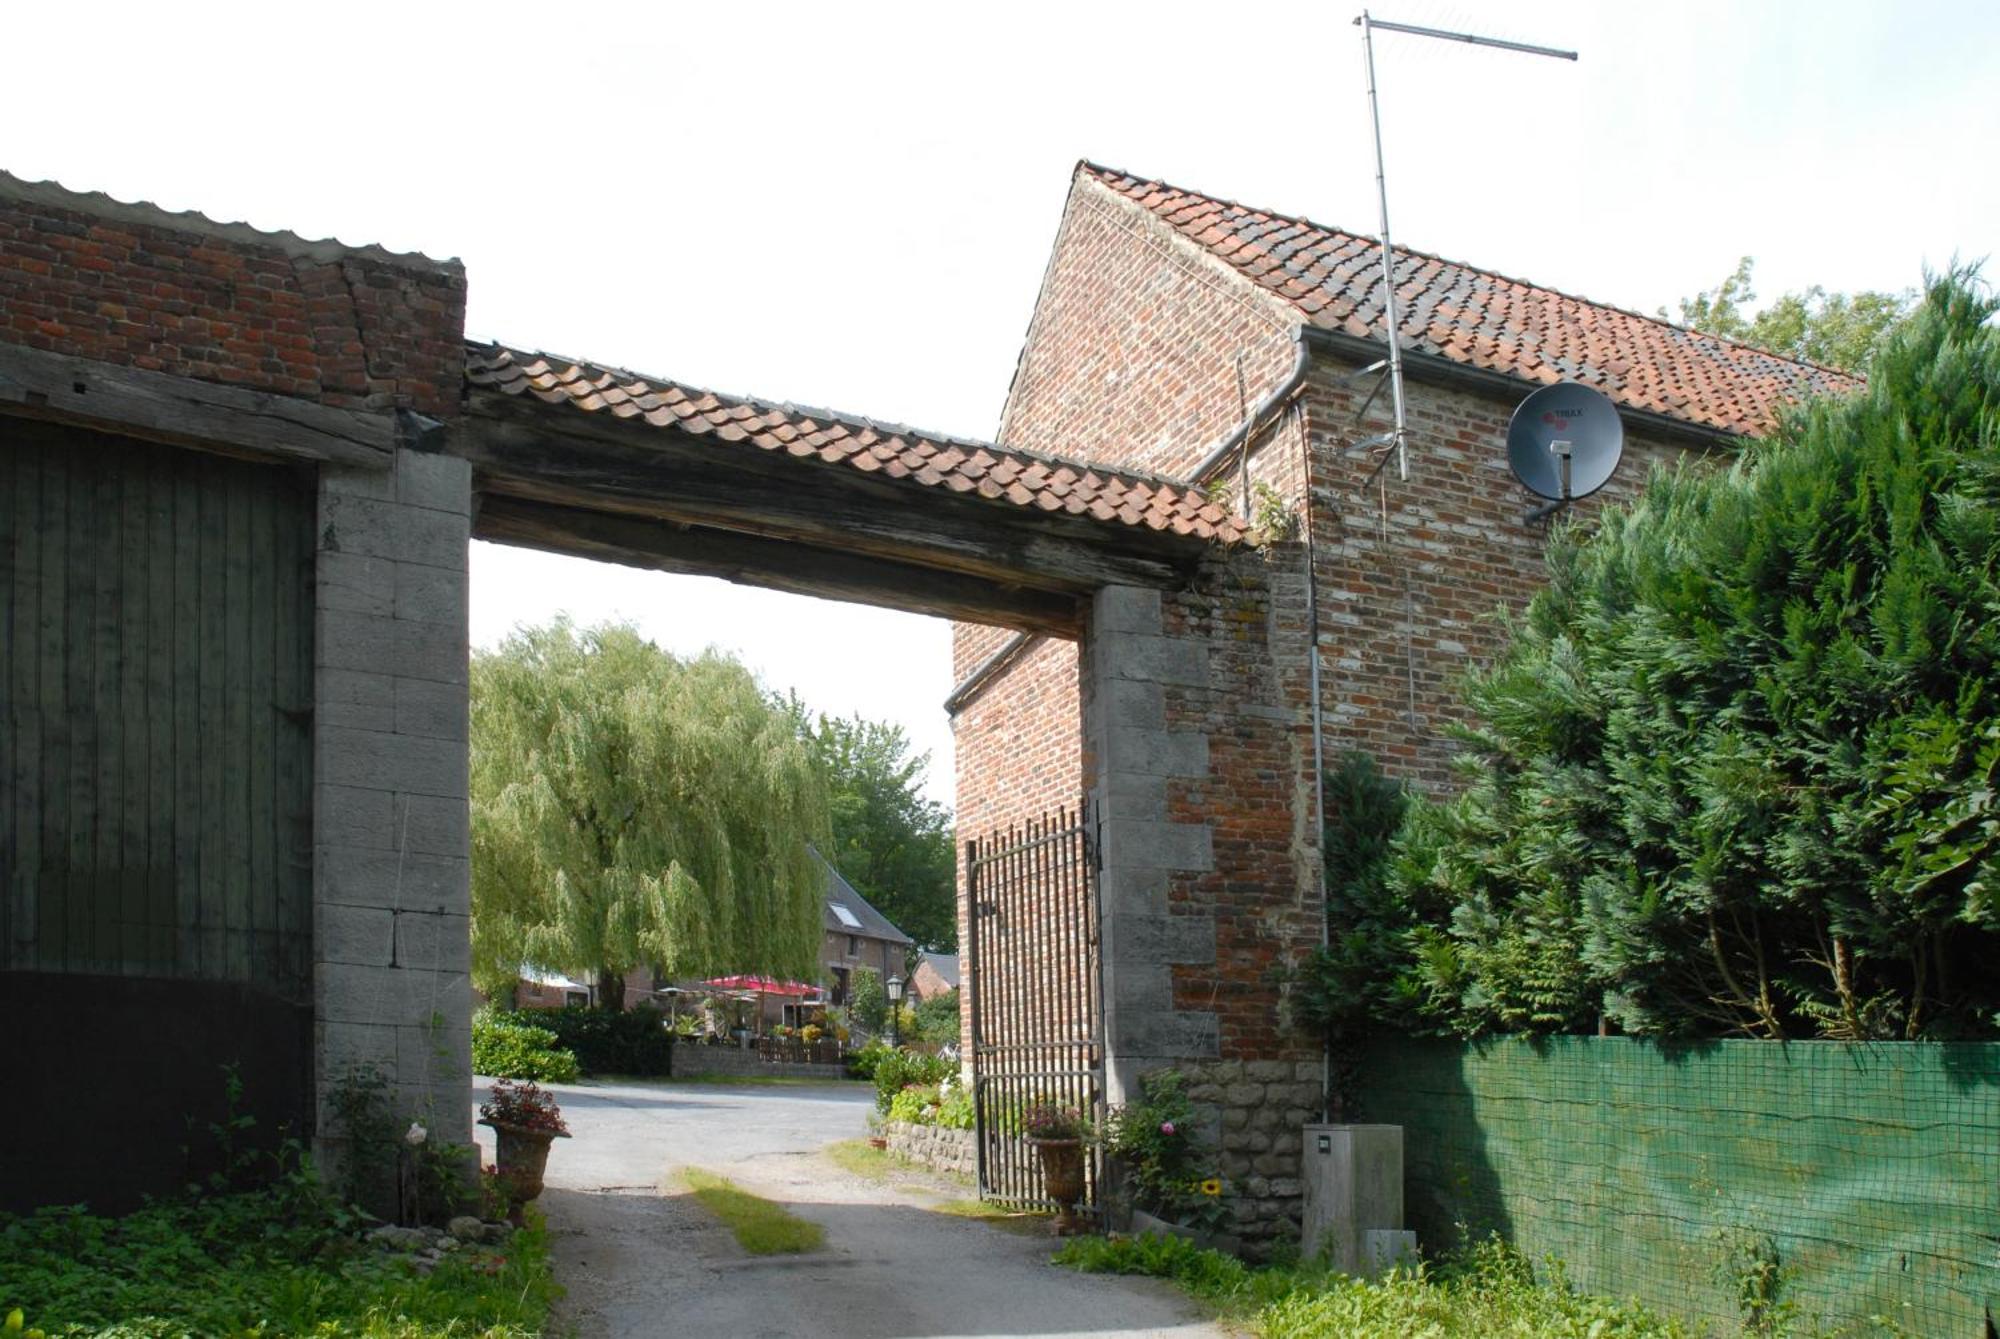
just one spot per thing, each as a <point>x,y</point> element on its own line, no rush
<point>1397,437</point>
<point>1563,443</point>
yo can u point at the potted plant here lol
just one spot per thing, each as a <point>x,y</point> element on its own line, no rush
<point>525,1121</point>
<point>1056,1131</point>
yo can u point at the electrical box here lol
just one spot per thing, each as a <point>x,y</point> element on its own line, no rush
<point>1353,1190</point>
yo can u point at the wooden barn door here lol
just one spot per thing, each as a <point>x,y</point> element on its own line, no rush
<point>156,692</point>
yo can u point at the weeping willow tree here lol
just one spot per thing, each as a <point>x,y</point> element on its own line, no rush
<point>631,809</point>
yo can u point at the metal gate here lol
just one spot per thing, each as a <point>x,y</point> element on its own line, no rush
<point>1036,995</point>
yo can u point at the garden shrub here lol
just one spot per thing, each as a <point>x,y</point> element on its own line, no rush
<point>945,1104</point>
<point>1737,771</point>
<point>895,1070</point>
<point>935,1020</point>
<point>861,1061</point>
<point>1172,1168</point>
<point>632,1041</point>
<point>506,1046</point>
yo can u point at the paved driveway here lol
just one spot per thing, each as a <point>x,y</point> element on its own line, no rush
<point>640,1259</point>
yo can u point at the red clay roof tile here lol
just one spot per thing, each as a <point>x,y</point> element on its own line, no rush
<point>1488,320</point>
<point>928,460</point>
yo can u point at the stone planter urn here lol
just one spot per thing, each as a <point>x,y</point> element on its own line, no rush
<point>1062,1176</point>
<point>522,1157</point>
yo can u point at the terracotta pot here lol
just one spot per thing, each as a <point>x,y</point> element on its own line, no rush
<point>1062,1176</point>
<point>522,1157</point>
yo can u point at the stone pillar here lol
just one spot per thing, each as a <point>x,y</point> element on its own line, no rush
<point>1132,755</point>
<point>391,855</point>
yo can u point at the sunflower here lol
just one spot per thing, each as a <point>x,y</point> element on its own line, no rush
<point>1211,1187</point>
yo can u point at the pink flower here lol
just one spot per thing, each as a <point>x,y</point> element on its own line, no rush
<point>1166,1127</point>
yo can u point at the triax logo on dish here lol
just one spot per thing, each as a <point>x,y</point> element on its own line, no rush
<point>1559,418</point>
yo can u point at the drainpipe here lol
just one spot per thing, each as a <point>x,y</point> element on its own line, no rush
<point>1246,430</point>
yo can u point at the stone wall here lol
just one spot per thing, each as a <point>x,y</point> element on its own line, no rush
<point>391,862</point>
<point>736,1063</point>
<point>952,1152</point>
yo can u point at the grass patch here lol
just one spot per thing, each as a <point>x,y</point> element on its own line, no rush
<point>862,1159</point>
<point>280,1261</point>
<point>1024,1223</point>
<point>761,1227</point>
<point>1486,1290</point>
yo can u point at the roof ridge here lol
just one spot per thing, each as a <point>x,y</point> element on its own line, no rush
<point>879,425</point>
<point>52,192</point>
<point>1102,171</point>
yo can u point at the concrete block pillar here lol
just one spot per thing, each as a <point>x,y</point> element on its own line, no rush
<point>391,857</point>
<point>1134,755</point>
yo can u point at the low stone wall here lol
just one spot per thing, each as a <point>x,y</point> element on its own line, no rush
<point>1261,1108</point>
<point>952,1152</point>
<point>736,1063</point>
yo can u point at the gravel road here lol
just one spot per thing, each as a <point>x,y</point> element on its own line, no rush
<point>641,1259</point>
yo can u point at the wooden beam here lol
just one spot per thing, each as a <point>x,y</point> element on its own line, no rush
<point>186,412</point>
<point>776,564</point>
<point>559,455</point>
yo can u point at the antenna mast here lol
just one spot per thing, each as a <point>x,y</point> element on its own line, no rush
<point>1397,438</point>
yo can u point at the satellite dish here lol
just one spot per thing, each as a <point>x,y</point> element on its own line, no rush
<point>1564,441</point>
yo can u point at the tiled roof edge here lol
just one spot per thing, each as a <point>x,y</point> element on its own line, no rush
<point>1101,172</point>
<point>835,415</point>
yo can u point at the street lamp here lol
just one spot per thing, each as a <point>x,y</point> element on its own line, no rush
<point>894,987</point>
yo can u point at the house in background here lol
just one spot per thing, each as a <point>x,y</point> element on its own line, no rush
<point>857,936</point>
<point>935,974</point>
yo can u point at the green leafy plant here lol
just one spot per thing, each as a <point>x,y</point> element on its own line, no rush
<point>631,1041</point>
<point>1169,1167</point>
<point>945,1104</point>
<point>1485,1290</point>
<point>508,1046</point>
<point>868,1001</point>
<point>895,1070</point>
<point>1736,773</point>
<point>935,1020</point>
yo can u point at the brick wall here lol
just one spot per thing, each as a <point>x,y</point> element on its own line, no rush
<point>133,285</point>
<point>1131,355</point>
<point>1411,572</point>
<point>1211,886</point>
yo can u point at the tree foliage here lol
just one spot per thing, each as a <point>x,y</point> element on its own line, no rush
<point>1832,329</point>
<point>1736,773</point>
<point>634,810</point>
<point>891,843</point>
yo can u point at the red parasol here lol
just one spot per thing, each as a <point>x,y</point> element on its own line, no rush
<point>763,985</point>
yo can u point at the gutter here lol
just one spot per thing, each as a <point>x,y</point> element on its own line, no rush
<point>1431,367</point>
<point>988,670</point>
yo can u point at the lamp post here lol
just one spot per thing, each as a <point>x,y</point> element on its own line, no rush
<point>893,987</point>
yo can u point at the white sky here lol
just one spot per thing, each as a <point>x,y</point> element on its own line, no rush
<point>851,205</point>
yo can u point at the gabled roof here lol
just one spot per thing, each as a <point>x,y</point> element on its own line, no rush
<point>945,965</point>
<point>872,924</point>
<point>1485,320</point>
<point>1000,474</point>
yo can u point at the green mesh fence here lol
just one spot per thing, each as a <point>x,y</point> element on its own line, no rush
<point>1863,1179</point>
